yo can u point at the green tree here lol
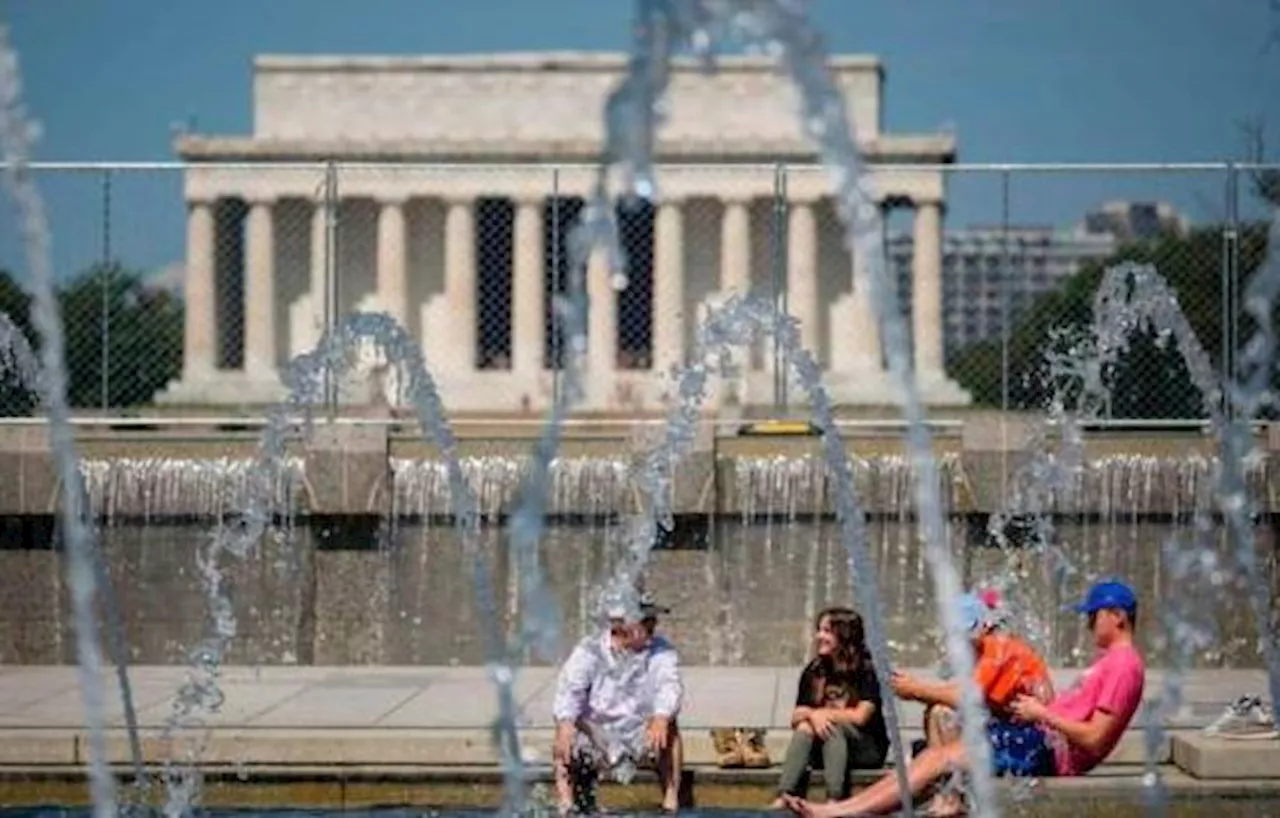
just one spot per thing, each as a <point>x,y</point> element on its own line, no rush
<point>143,333</point>
<point>16,397</point>
<point>1151,381</point>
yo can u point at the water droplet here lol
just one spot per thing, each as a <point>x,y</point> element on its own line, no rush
<point>644,187</point>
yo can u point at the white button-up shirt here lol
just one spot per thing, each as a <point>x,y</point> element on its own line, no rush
<point>618,688</point>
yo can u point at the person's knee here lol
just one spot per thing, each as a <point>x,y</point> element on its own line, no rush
<point>804,729</point>
<point>941,725</point>
<point>939,717</point>
<point>837,741</point>
<point>835,753</point>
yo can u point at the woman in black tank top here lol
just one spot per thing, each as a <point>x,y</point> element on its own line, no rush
<point>838,718</point>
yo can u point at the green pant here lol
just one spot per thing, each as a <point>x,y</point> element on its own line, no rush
<point>845,750</point>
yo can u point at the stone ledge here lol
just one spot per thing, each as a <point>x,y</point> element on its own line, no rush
<point>1104,791</point>
<point>451,747</point>
<point>37,746</point>
<point>1208,758</point>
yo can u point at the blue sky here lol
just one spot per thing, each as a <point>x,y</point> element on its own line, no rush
<point>1018,80</point>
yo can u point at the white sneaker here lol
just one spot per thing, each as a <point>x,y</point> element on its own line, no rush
<point>1248,718</point>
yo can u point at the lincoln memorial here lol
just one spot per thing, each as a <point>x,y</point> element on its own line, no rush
<point>441,189</point>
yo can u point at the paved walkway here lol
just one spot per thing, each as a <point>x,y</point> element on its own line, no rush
<point>443,715</point>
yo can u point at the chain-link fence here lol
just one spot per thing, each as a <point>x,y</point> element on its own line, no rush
<point>186,286</point>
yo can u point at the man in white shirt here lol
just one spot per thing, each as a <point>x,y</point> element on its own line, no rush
<point>617,699</point>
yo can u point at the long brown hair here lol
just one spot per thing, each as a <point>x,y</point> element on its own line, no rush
<point>850,655</point>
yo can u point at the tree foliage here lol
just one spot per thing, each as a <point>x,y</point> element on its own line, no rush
<point>1151,381</point>
<point>110,316</point>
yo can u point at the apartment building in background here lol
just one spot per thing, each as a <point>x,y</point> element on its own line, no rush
<point>987,282</point>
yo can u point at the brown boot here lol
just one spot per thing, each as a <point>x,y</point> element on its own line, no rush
<point>727,746</point>
<point>754,753</point>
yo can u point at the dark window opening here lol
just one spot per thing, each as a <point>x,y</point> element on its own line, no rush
<point>495,247</point>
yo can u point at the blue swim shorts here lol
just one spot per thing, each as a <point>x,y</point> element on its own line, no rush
<point>1019,750</point>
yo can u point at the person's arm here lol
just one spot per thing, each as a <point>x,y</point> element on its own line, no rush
<point>946,694</point>
<point>804,692</point>
<point>867,688</point>
<point>1119,694</point>
<point>857,715</point>
<point>800,715</point>
<point>573,688</point>
<point>668,687</point>
<point>1088,735</point>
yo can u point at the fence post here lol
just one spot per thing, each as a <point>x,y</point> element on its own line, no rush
<point>104,273</point>
<point>778,242</point>
<point>1006,330</point>
<point>1230,284</point>
<point>556,334</point>
<point>330,276</point>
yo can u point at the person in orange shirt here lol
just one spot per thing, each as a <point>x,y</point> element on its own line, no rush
<point>1005,667</point>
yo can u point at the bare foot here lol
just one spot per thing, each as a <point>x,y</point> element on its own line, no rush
<point>798,805</point>
<point>946,805</point>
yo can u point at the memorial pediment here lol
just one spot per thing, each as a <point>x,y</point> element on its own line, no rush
<point>531,99</point>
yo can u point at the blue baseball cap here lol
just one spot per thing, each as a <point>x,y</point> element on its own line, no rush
<point>1110,594</point>
<point>971,611</point>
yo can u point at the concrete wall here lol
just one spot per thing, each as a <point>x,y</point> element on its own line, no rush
<point>365,566</point>
<point>361,593</point>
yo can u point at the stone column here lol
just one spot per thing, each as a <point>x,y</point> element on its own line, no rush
<point>864,329</point>
<point>527,324</point>
<point>200,326</point>
<point>735,248</point>
<point>319,291</point>
<point>393,266</point>
<point>735,279</point>
<point>668,286</point>
<point>602,322</point>
<point>260,291</point>
<point>802,271</point>
<point>857,373</point>
<point>460,290</point>
<point>926,289</point>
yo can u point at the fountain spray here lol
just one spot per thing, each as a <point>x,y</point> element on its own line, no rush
<point>630,120</point>
<point>260,495</point>
<point>1131,299</point>
<point>1249,394</point>
<point>17,134</point>
<point>781,27</point>
<point>738,324</point>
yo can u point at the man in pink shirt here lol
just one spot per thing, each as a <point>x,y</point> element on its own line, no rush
<point>1081,726</point>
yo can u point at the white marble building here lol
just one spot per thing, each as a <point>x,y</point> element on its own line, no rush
<point>447,170</point>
